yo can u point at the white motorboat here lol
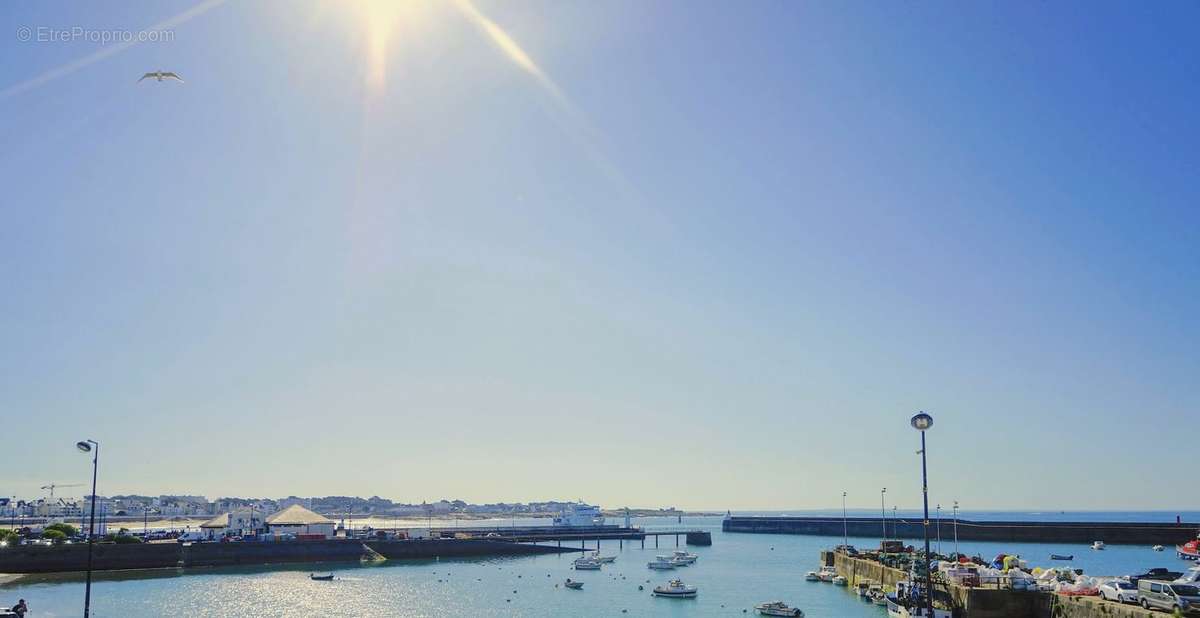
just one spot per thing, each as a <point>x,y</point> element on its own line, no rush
<point>603,559</point>
<point>778,608</point>
<point>675,589</point>
<point>1157,548</point>
<point>586,564</point>
<point>826,574</point>
<point>812,576</point>
<point>684,556</point>
<point>573,585</point>
<point>862,588</point>
<point>838,580</point>
<point>1097,544</point>
<point>661,563</point>
<point>877,595</point>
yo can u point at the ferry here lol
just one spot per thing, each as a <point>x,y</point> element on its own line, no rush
<point>579,516</point>
<point>675,589</point>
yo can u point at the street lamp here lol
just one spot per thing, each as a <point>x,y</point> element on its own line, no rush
<point>939,528</point>
<point>921,422</point>
<point>93,447</point>
<point>883,512</point>
<point>956,529</point>
<point>845,529</point>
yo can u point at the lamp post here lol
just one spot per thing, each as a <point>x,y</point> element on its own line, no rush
<point>883,512</point>
<point>845,526</point>
<point>939,528</point>
<point>921,422</point>
<point>956,528</point>
<point>93,447</point>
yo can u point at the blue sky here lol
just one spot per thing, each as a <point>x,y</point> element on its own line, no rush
<point>702,254</point>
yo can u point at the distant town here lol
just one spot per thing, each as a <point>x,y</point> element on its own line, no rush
<point>138,507</point>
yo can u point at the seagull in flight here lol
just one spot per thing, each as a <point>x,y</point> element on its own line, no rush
<point>161,75</point>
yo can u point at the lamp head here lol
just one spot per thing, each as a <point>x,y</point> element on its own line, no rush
<point>922,421</point>
<point>83,447</point>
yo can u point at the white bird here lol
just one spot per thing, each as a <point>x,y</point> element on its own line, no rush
<point>161,75</point>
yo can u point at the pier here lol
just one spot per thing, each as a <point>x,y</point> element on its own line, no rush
<point>1012,531</point>
<point>596,534</point>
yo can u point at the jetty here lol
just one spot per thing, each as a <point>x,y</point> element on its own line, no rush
<point>584,535</point>
<point>1012,531</point>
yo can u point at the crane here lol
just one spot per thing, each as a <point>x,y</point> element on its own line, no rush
<point>53,486</point>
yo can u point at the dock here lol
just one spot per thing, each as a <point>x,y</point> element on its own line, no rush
<point>1009,531</point>
<point>583,535</point>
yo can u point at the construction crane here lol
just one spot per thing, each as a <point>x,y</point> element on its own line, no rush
<point>53,486</point>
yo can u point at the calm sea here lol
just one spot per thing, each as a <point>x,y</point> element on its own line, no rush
<point>738,571</point>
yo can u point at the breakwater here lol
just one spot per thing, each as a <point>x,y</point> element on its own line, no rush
<point>68,558</point>
<point>1015,531</point>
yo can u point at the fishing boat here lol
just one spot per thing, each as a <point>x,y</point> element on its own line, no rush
<point>1189,550</point>
<point>661,563</point>
<point>573,585</point>
<point>320,578</point>
<point>812,576</point>
<point>684,556</point>
<point>909,601</point>
<point>877,595</point>
<point>603,559</point>
<point>1097,544</point>
<point>586,564</point>
<point>675,589</point>
<point>777,608</point>
<point>838,580</point>
<point>1062,556</point>
<point>862,588</point>
<point>826,574</point>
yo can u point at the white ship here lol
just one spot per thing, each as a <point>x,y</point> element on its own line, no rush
<point>579,516</point>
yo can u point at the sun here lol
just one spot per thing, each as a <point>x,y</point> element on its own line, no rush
<point>381,24</point>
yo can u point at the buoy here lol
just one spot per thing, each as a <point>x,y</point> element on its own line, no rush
<point>640,587</point>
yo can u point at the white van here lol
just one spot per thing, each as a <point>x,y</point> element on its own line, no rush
<point>1169,596</point>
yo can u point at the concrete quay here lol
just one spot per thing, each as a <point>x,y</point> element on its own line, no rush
<point>1008,531</point>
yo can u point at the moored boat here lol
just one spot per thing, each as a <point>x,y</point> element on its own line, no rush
<point>1062,556</point>
<point>862,588</point>
<point>1097,544</point>
<point>573,585</point>
<point>1189,550</point>
<point>826,574</point>
<point>877,595</point>
<point>603,559</point>
<point>675,589</point>
<point>661,563</point>
<point>684,557</point>
<point>812,576</point>
<point>586,564</point>
<point>321,578</point>
<point>777,608</point>
<point>838,580</point>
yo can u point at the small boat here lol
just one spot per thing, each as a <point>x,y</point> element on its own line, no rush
<point>840,581</point>
<point>586,564</point>
<point>1062,557</point>
<point>1189,550</point>
<point>826,574</point>
<point>1097,544</point>
<point>661,564</point>
<point>603,559</point>
<point>573,585</point>
<point>862,588</point>
<point>812,576</point>
<point>877,595</point>
<point>777,608</point>
<point>320,578</point>
<point>1157,548</point>
<point>675,589</point>
<point>683,556</point>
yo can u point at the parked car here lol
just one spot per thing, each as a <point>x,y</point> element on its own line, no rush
<point>1171,597</point>
<point>1119,590</point>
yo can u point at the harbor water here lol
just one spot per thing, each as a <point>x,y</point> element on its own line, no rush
<point>735,573</point>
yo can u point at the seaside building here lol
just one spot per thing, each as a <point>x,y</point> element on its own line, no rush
<point>235,523</point>
<point>298,520</point>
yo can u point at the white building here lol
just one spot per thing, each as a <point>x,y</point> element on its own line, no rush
<point>235,523</point>
<point>298,520</point>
